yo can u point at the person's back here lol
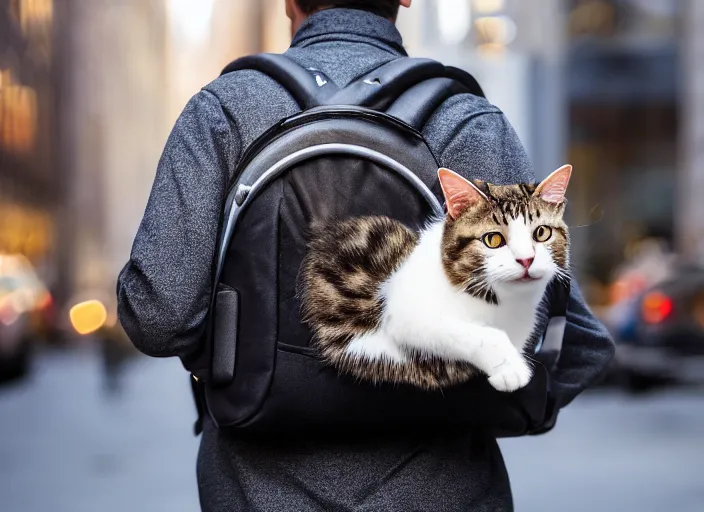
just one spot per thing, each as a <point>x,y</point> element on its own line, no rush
<point>164,289</point>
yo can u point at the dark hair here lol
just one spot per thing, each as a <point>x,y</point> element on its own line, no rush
<point>383,8</point>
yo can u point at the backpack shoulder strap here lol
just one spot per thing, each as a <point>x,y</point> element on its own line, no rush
<point>407,88</point>
<point>467,80</point>
<point>415,105</point>
<point>309,87</point>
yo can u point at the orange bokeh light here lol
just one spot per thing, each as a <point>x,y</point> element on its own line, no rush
<point>87,317</point>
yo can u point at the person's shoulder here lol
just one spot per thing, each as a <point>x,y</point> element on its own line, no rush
<point>246,82</point>
<point>462,107</point>
<point>469,133</point>
<point>252,100</point>
<point>460,113</point>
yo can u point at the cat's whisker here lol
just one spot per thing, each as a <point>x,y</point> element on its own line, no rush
<point>477,286</point>
<point>562,276</point>
<point>530,362</point>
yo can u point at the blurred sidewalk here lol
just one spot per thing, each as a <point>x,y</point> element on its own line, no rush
<point>67,447</point>
<point>611,452</point>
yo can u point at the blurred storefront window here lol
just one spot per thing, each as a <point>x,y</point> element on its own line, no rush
<point>18,114</point>
<point>24,230</point>
<point>35,19</point>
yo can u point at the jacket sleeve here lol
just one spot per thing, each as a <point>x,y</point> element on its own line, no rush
<point>587,349</point>
<point>486,147</point>
<point>163,291</point>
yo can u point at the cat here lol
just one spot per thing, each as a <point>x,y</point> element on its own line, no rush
<point>389,305</point>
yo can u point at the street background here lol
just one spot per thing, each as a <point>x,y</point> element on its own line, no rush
<point>88,93</point>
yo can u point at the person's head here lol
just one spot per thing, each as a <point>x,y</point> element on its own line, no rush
<point>299,10</point>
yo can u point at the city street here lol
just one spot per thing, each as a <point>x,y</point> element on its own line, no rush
<point>65,446</point>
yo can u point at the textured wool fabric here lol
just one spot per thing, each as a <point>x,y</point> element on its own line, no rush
<point>164,289</point>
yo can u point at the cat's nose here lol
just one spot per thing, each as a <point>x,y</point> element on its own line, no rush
<point>525,263</point>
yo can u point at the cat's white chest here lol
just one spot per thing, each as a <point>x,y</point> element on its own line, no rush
<point>515,318</point>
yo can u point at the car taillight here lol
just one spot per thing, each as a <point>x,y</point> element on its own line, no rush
<point>656,307</point>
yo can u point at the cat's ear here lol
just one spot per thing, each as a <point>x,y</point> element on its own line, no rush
<point>553,188</point>
<point>459,193</point>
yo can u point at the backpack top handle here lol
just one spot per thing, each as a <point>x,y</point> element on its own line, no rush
<point>378,88</point>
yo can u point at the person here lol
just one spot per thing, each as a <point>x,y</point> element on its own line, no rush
<point>165,287</point>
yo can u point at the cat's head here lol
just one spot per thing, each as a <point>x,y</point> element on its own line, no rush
<point>504,238</point>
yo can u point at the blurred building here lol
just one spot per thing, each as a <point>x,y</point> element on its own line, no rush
<point>624,74</point>
<point>30,191</point>
<point>114,122</point>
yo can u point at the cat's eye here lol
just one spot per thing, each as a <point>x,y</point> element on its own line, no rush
<point>494,240</point>
<point>542,233</point>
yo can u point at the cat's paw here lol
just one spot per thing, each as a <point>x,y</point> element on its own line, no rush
<point>510,376</point>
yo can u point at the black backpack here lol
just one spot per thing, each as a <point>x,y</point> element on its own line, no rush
<point>349,152</point>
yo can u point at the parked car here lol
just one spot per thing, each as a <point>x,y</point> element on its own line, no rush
<point>23,297</point>
<point>14,345</point>
<point>648,262</point>
<point>666,341</point>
